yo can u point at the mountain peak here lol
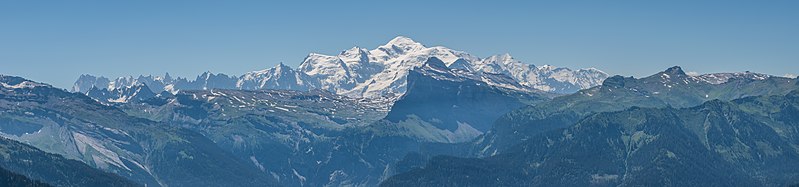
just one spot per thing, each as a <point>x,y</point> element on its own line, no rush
<point>354,52</point>
<point>280,67</point>
<point>505,58</point>
<point>676,70</point>
<point>616,81</point>
<point>18,82</point>
<point>87,76</point>
<point>461,64</point>
<point>436,63</point>
<point>402,41</point>
<point>315,55</point>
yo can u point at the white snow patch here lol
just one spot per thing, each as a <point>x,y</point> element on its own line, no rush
<point>23,84</point>
<point>257,164</point>
<point>603,178</point>
<point>283,109</point>
<point>302,178</point>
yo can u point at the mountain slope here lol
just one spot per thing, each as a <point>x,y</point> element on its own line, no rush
<point>294,137</point>
<point>747,142</point>
<point>317,138</point>
<point>671,87</point>
<point>53,169</point>
<point>456,101</point>
<point>105,137</point>
<point>9,178</point>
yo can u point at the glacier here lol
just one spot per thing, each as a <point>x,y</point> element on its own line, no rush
<point>365,73</point>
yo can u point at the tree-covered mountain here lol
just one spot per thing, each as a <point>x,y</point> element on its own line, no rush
<point>672,87</point>
<point>9,178</point>
<point>290,136</point>
<point>105,137</point>
<point>24,165</point>
<point>752,141</point>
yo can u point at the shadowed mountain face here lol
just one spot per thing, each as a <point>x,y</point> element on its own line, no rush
<point>452,100</point>
<point>747,142</point>
<point>105,137</point>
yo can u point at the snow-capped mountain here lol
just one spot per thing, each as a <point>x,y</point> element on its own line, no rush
<point>280,77</point>
<point>157,84</point>
<point>454,105</point>
<point>364,73</point>
<point>121,95</point>
<point>546,77</point>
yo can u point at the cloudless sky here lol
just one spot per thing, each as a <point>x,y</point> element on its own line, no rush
<point>56,41</point>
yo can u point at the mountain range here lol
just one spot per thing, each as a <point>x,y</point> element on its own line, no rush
<point>669,129</point>
<point>404,114</point>
<point>363,73</point>
<point>671,87</point>
<point>750,141</point>
<point>297,138</point>
<point>78,127</point>
<point>319,138</point>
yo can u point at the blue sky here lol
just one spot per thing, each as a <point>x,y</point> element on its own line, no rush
<point>56,41</point>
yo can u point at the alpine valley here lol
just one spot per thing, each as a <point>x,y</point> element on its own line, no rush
<point>403,114</point>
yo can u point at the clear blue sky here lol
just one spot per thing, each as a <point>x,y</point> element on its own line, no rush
<point>56,41</point>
